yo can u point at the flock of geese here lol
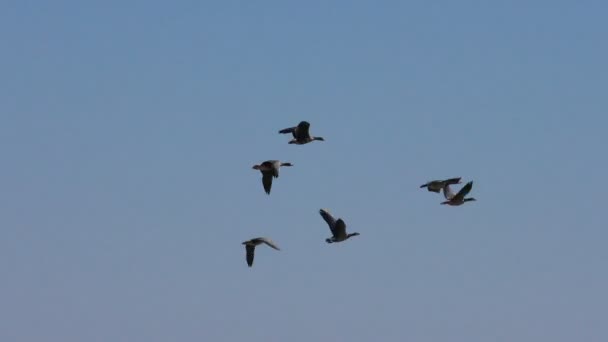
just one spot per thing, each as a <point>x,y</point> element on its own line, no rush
<point>301,136</point>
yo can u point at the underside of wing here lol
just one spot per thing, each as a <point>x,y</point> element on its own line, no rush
<point>267,180</point>
<point>249,255</point>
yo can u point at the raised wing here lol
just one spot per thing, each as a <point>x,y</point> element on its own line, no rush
<point>331,221</point>
<point>301,132</point>
<point>267,180</point>
<point>463,192</point>
<point>291,130</point>
<point>250,249</point>
<point>340,229</point>
<point>270,243</point>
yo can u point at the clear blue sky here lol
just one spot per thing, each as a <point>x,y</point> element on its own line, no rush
<point>129,128</point>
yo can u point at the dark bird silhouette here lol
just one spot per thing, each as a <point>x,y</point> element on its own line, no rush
<point>300,134</point>
<point>250,247</point>
<point>337,227</point>
<point>269,170</point>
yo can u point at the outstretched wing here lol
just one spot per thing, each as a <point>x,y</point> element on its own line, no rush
<point>270,243</point>
<point>464,191</point>
<point>249,255</point>
<point>340,228</point>
<point>291,130</point>
<point>267,180</point>
<point>452,181</point>
<point>434,186</point>
<point>447,192</point>
<point>301,132</point>
<point>331,221</point>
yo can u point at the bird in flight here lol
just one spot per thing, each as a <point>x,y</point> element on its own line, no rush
<point>459,198</point>
<point>337,227</point>
<point>250,247</point>
<point>269,170</point>
<point>300,134</point>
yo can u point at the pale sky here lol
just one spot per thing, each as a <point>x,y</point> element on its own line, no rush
<point>129,128</point>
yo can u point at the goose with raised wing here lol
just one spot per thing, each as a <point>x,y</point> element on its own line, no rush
<point>337,227</point>
<point>269,170</point>
<point>251,244</point>
<point>300,134</point>
<point>438,185</point>
<point>458,198</point>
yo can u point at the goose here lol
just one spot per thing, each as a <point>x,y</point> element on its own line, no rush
<point>300,134</point>
<point>457,199</point>
<point>337,227</point>
<point>250,247</point>
<point>437,185</point>
<point>269,169</point>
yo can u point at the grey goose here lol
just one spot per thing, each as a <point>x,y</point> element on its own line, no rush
<point>269,170</point>
<point>251,244</point>
<point>337,227</point>
<point>300,134</point>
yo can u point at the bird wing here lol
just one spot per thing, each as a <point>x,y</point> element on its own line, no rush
<point>464,191</point>
<point>447,192</point>
<point>452,181</point>
<point>331,221</point>
<point>340,229</point>
<point>301,132</point>
<point>270,243</point>
<point>249,255</point>
<point>267,180</point>
<point>434,186</point>
<point>291,130</point>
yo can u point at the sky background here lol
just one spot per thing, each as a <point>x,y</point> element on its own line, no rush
<point>128,131</point>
